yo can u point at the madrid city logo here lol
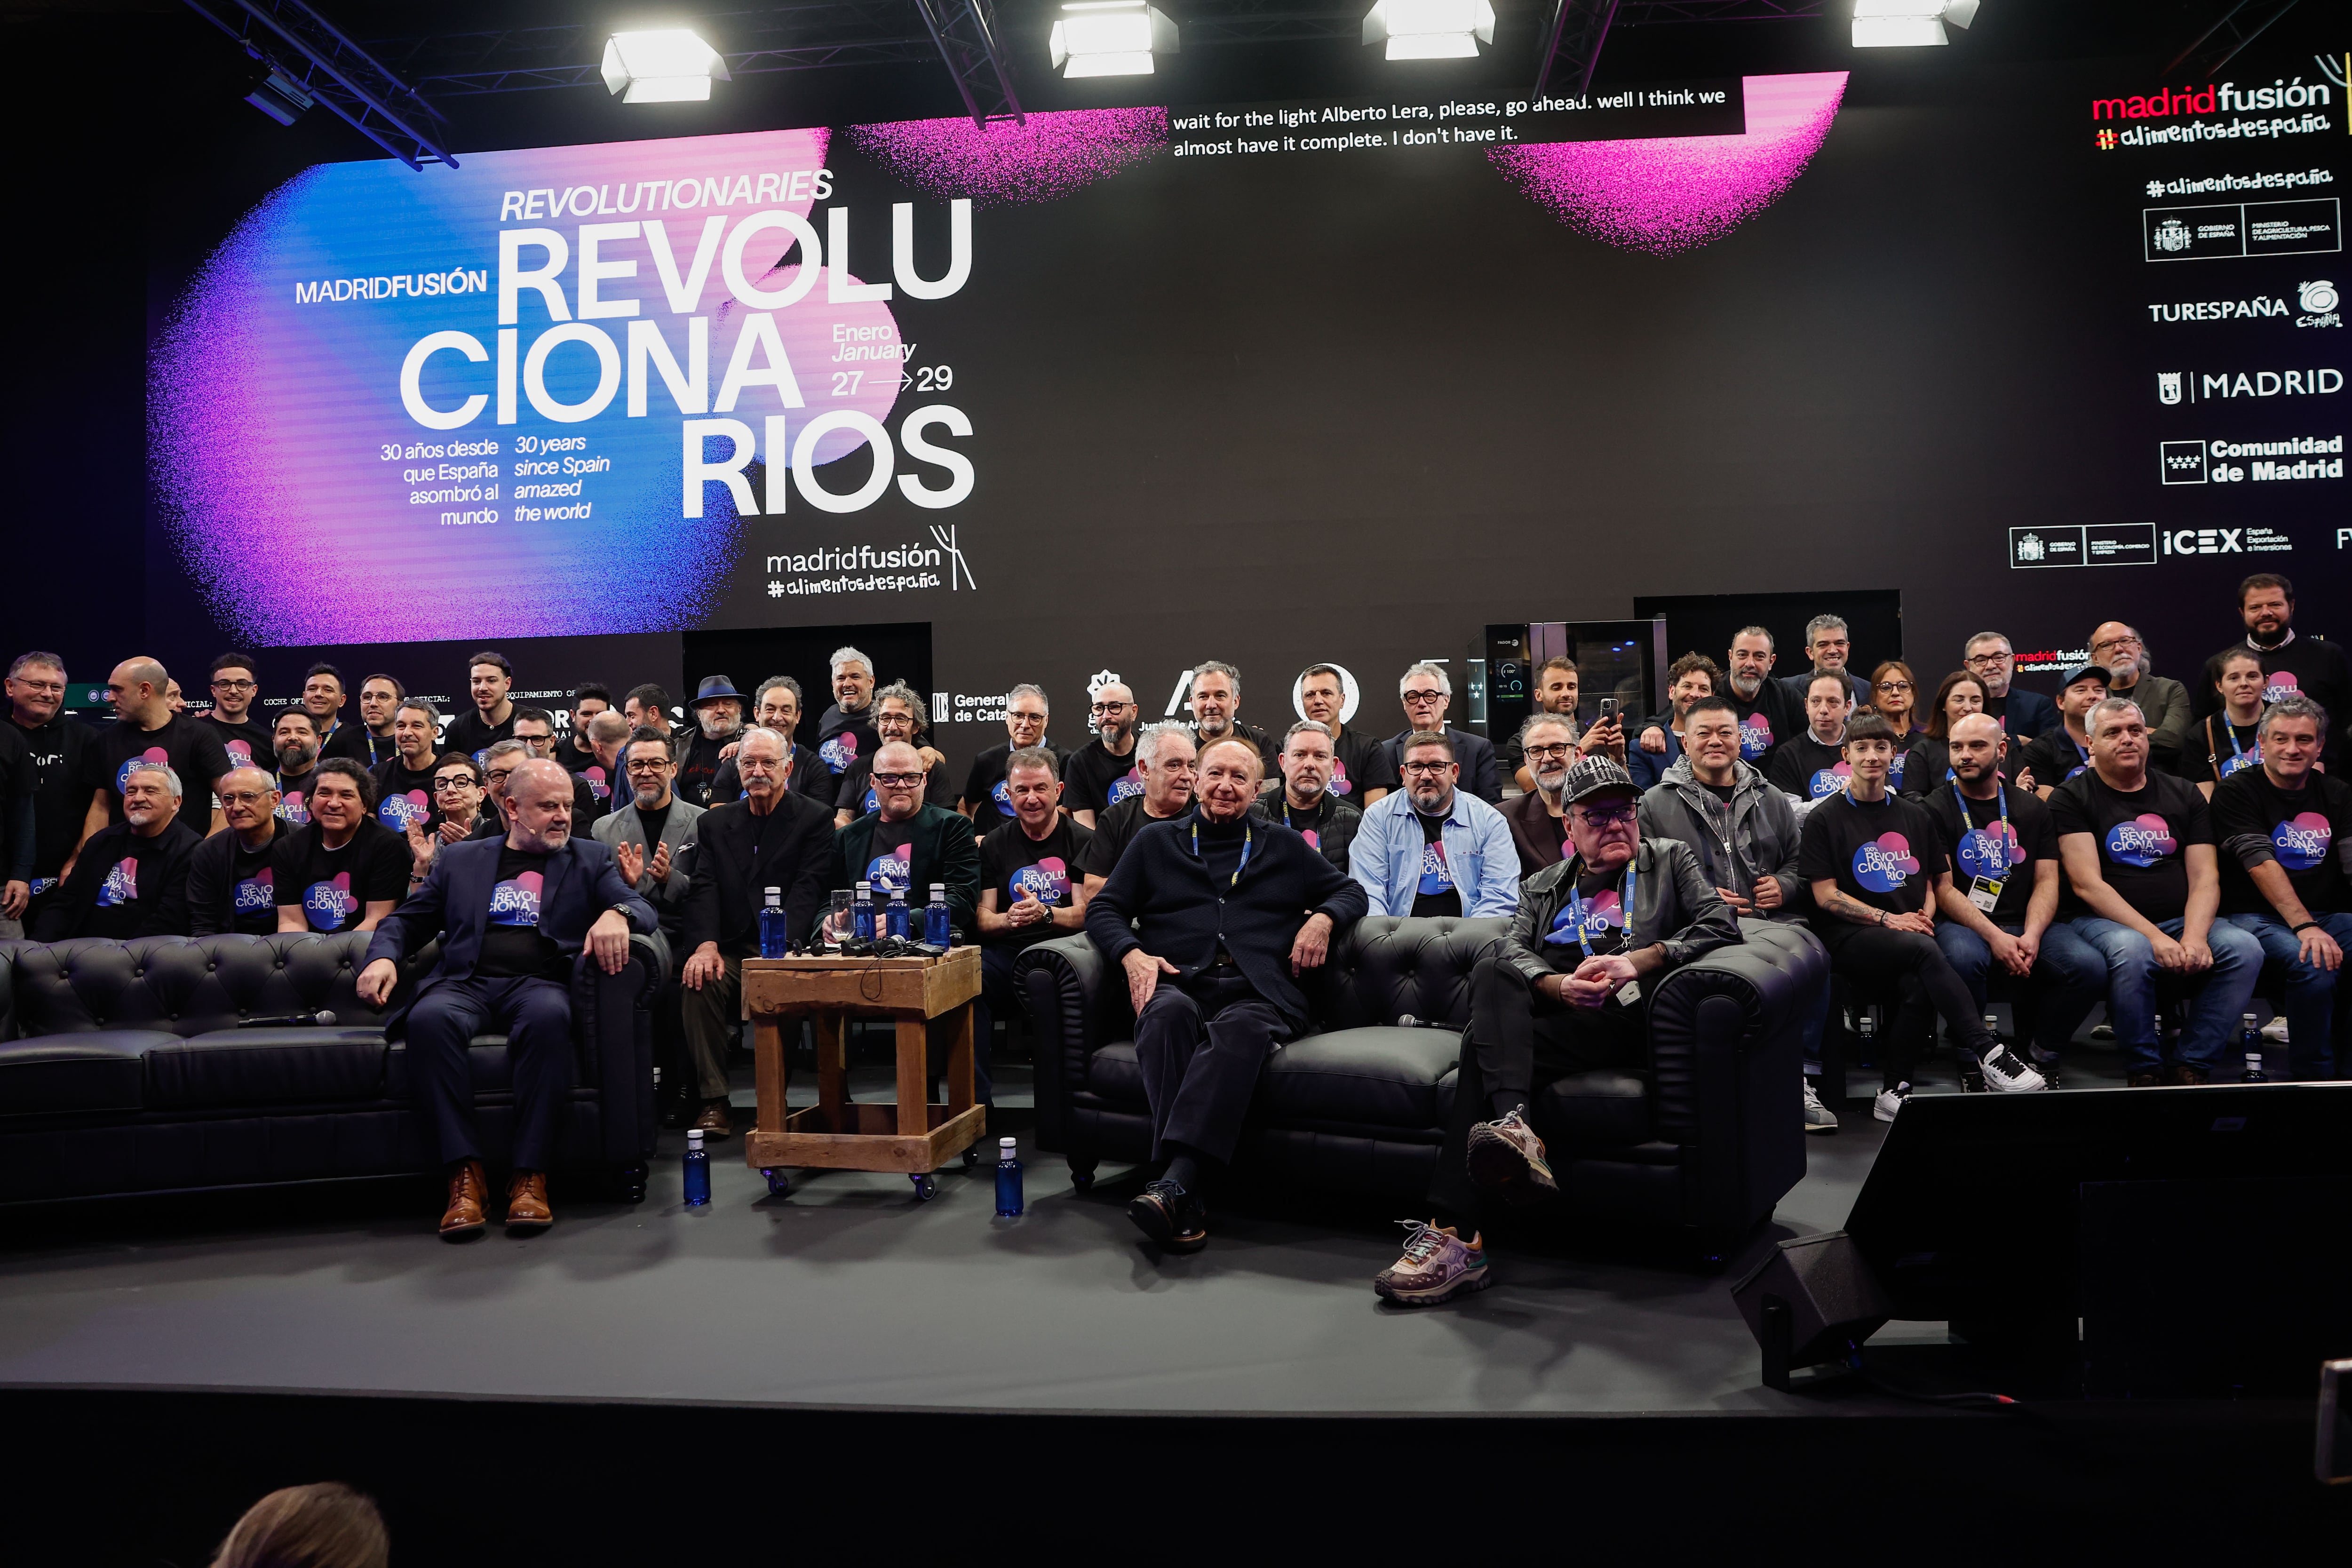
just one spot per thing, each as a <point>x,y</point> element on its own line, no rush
<point>2167,387</point>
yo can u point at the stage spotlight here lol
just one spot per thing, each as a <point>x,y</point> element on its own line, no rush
<point>1110,38</point>
<point>1430,29</point>
<point>669,65</point>
<point>279,96</point>
<point>1907,23</point>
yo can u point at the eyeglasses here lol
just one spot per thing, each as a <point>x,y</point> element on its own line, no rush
<point>652,765</point>
<point>1433,769</point>
<point>1986,658</point>
<point>898,781</point>
<point>454,780</point>
<point>1895,686</point>
<point>499,776</point>
<point>1559,750</point>
<point>232,686</point>
<point>1608,816</point>
<point>1110,708</point>
<point>2119,642</point>
<point>1415,698</point>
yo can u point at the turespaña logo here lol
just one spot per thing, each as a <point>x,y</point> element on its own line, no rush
<point>2167,387</point>
<point>2318,300</point>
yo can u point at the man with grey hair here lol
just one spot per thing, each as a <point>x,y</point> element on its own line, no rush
<point>1306,804</point>
<point>147,731</point>
<point>897,716</point>
<point>2143,888</point>
<point>2283,883</point>
<point>985,799</point>
<point>499,765</point>
<point>847,731</point>
<point>1214,698</point>
<point>61,753</point>
<point>1828,647</point>
<point>2025,715</point>
<point>132,879</point>
<point>512,916</point>
<point>1170,763</point>
<point>1426,692</point>
<point>1538,818</point>
<point>2117,648</point>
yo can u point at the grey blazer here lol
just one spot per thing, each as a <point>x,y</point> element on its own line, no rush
<point>620,826</point>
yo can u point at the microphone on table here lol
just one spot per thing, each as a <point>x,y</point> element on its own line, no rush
<point>322,1019</point>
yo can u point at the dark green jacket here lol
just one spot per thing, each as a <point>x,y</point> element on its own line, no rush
<point>944,850</point>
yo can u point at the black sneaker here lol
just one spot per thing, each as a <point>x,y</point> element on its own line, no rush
<point>1175,1220</point>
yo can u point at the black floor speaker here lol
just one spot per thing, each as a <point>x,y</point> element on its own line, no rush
<point>1812,1299</point>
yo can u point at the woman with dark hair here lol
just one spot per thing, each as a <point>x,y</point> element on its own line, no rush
<point>1926,764</point>
<point>324,1525</point>
<point>1894,696</point>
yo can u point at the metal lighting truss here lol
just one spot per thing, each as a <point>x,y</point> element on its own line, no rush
<point>966,33</point>
<point>336,72</point>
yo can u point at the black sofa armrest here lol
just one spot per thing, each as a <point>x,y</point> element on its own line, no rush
<point>8,1025</point>
<point>1726,1057</point>
<point>1075,1001</point>
<point>612,1021</point>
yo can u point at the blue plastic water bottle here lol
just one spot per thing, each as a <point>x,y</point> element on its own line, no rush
<point>1008,1180</point>
<point>2250,1038</point>
<point>898,917</point>
<point>697,1171</point>
<point>862,913</point>
<point>776,938</point>
<point>938,928</point>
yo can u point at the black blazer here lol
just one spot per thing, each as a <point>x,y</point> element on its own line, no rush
<point>583,881</point>
<point>722,905</point>
<point>1184,909</point>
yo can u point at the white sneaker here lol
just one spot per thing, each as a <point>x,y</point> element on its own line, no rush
<point>1889,1102</point>
<point>1818,1118</point>
<point>2004,1074</point>
<point>2275,1030</point>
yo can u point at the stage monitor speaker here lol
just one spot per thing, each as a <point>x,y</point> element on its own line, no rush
<point>1812,1299</point>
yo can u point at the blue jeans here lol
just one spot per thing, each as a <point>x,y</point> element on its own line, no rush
<point>2221,992</point>
<point>2310,993</point>
<point>2068,974</point>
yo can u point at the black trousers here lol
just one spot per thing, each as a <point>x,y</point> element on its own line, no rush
<point>1516,1040</point>
<point>535,1016</point>
<point>1926,985</point>
<point>1201,1043</point>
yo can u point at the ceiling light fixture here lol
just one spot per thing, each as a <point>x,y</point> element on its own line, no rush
<point>1908,24</point>
<point>1110,38</point>
<point>1430,29</point>
<point>670,65</point>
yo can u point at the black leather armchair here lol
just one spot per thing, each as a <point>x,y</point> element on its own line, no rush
<point>1703,1144</point>
<point>123,1068</point>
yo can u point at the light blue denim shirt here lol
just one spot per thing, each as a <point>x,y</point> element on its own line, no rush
<point>1485,864</point>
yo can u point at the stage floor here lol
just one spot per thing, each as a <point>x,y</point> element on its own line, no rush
<point>849,1293</point>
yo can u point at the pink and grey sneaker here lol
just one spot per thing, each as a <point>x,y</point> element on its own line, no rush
<point>1506,1157</point>
<point>1437,1265</point>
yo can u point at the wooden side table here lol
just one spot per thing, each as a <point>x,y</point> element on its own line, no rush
<point>914,1135</point>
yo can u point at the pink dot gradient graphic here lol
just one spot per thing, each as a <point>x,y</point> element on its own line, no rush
<point>1051,156</point>
<point>1672,194</point>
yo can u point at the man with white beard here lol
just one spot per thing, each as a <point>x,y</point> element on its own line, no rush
<point>717,709</point>
<point>1537,819</point>
<point>2117,648</point>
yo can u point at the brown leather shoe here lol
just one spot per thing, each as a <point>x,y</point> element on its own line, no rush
<point>527,1208</point>
<point>713,1123</point>
<point>464,1220</point>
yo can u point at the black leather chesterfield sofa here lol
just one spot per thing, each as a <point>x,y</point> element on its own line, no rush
<point>1703,1146</point>
<point>124,1070</point>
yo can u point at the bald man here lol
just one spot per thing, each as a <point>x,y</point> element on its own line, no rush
<point>512,915</point>
<point>147,729</point>
<point>1997,902</point>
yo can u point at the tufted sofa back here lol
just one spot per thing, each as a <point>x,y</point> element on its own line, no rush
<point>188,985</point>
<point>1390,965</point>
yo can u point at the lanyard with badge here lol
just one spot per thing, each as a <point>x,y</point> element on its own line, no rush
<point>1631,992</point>
<point>1247,839</point>
<point>1984,892</point>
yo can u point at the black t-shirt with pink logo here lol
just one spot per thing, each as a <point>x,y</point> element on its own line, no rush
<point>404,796</point>
<point>1094,779</point>
<point>2306,666</point>
<point>512,944</point>
<point>1805,768</point>
<point>842,738</point>
<point>1359,763</point>
<point>2142,837</point>
<point>1885,853</point>
<point>1978,847</point>
<point>985,788</point>
<point>1771,717</point>
<point>1018,867</point>
<point>294,798</point>
<point>334,888</point>
<point>890,863</point>
<point>246,742</point>
<point>2218,749</point>
<point>2297,829</point>
<point>189,747</point>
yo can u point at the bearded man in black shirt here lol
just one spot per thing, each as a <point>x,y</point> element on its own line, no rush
<point>512,914</point>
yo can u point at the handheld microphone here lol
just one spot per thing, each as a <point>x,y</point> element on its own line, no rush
<point>322,1019</point>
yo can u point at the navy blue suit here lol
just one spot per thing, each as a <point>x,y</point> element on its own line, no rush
<point>2027,714</point>
<point>453,1004</point>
